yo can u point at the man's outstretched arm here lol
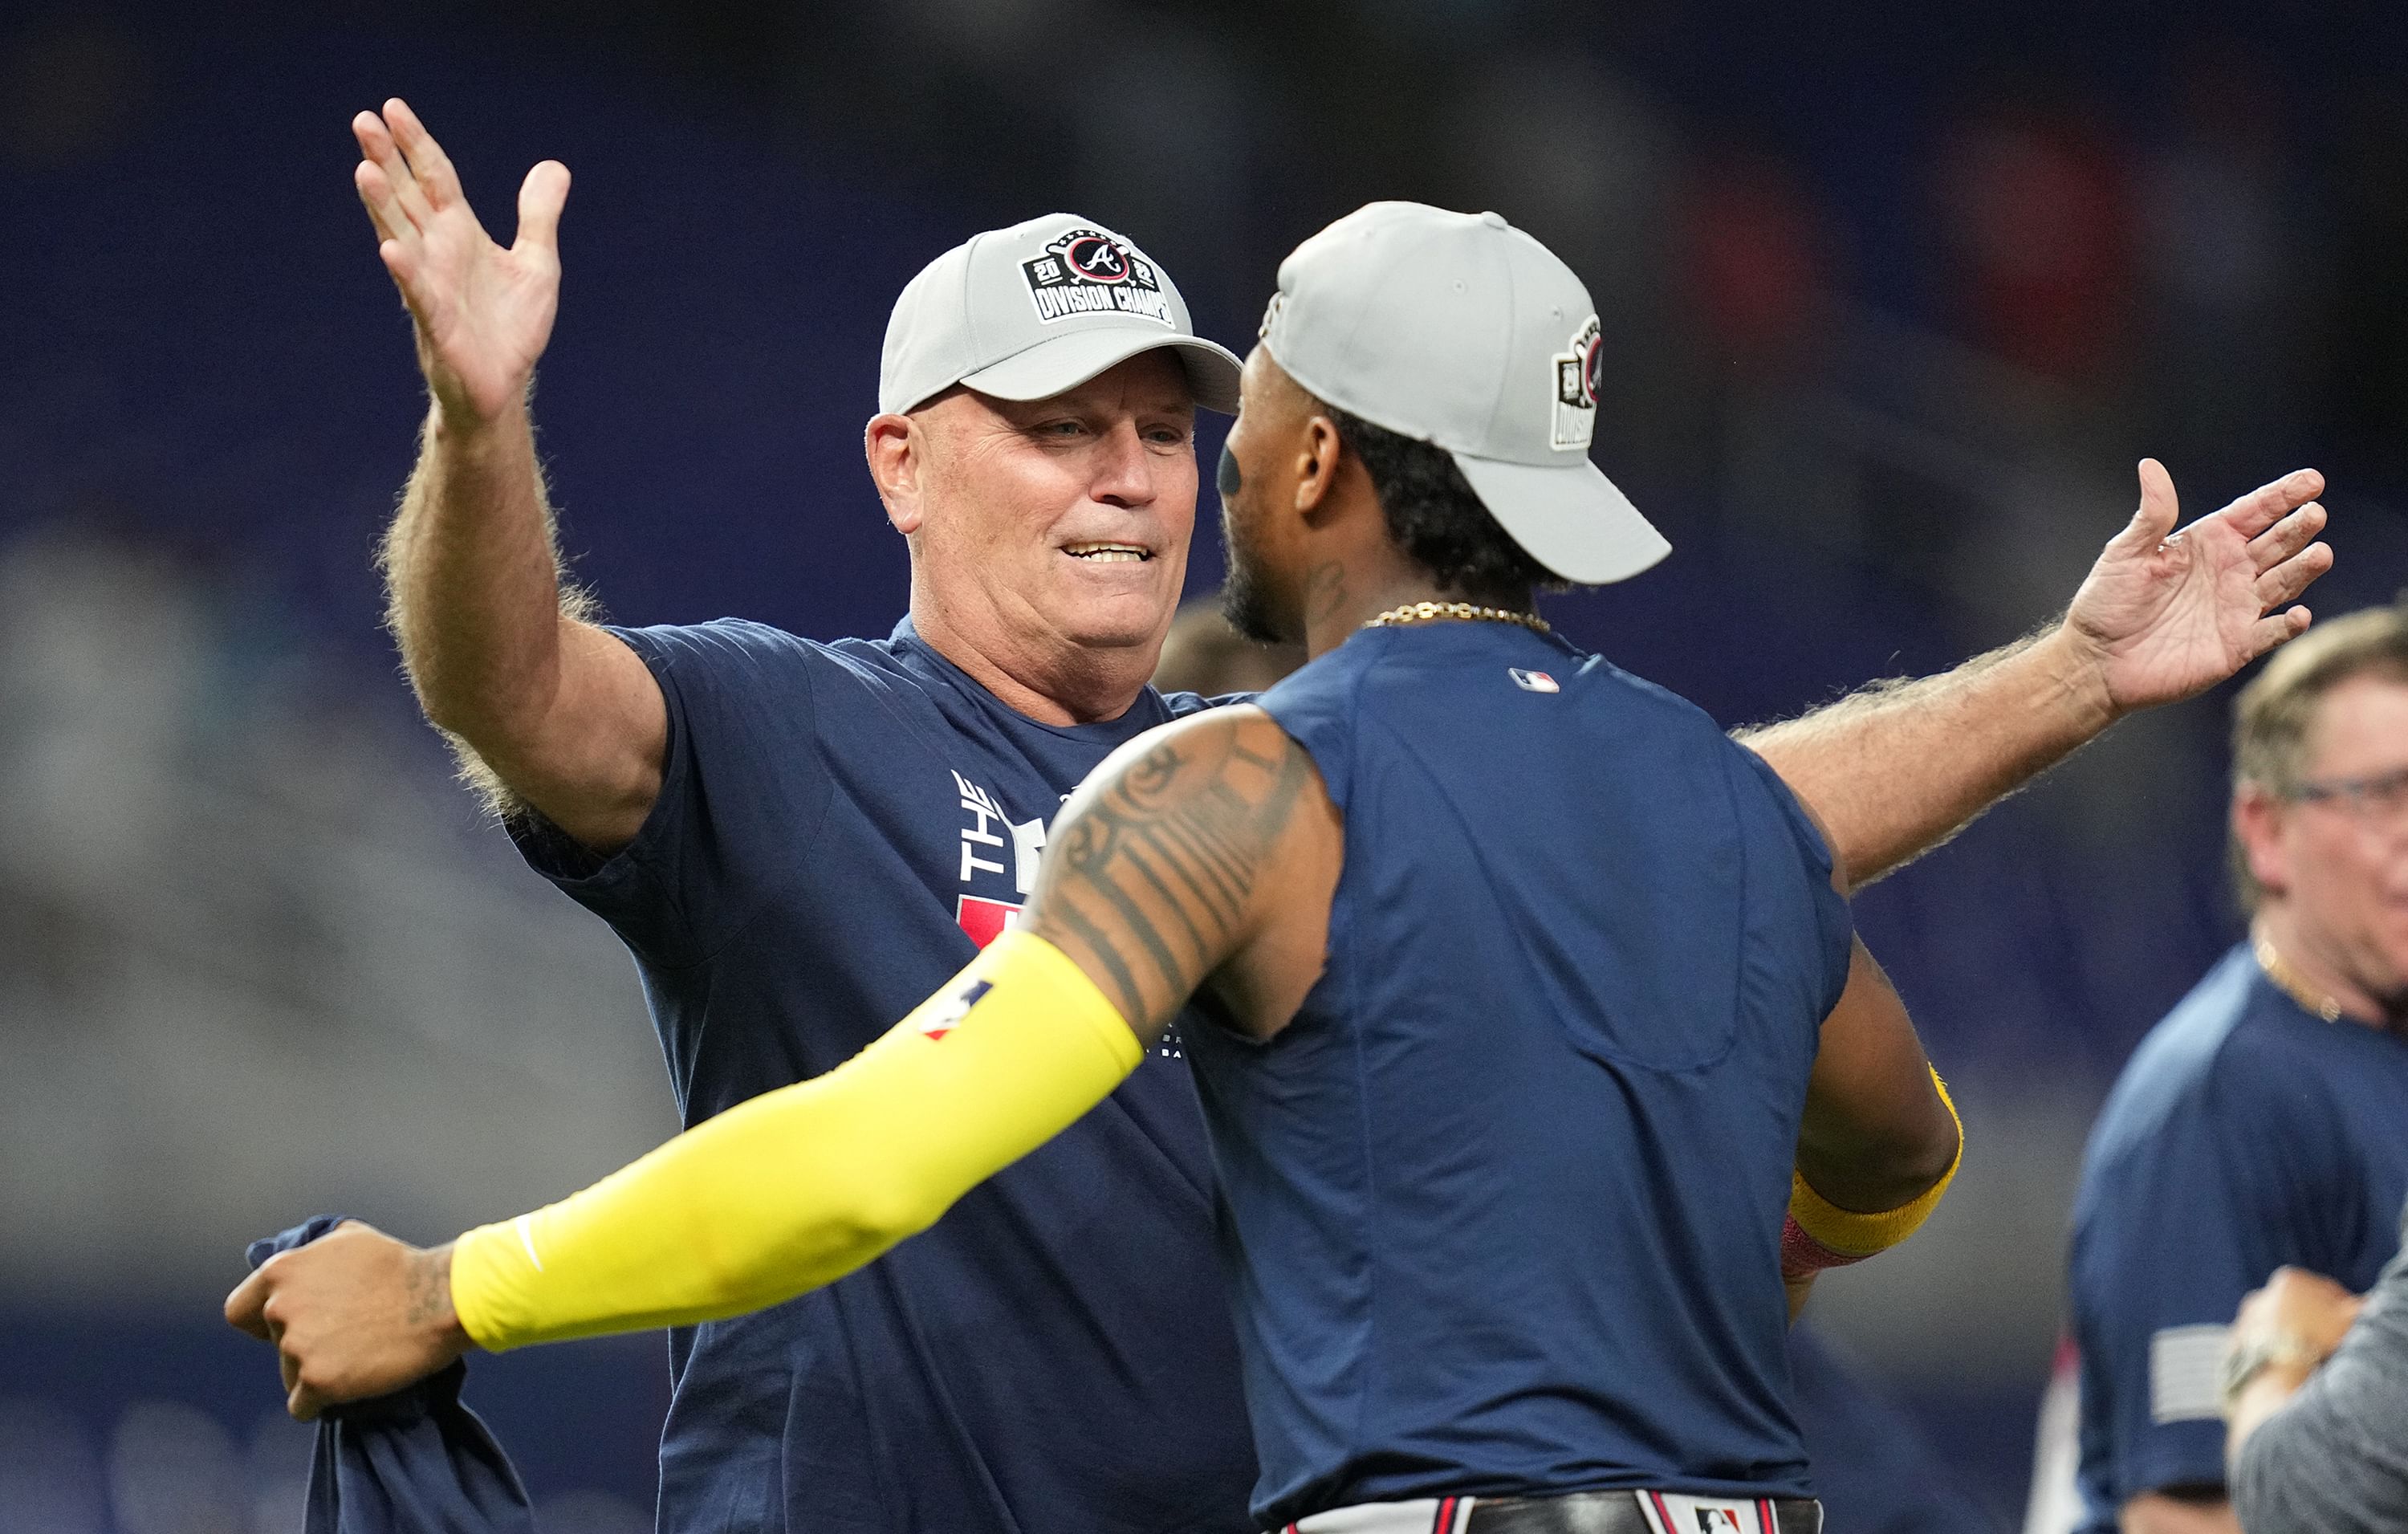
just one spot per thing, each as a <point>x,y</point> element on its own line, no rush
<point>563,716</point>
<point>1899,767</point>
<point>1157,881</point>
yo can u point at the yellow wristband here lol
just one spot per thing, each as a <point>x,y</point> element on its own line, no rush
<point>1850,1233</point>
<point>802,1185</point>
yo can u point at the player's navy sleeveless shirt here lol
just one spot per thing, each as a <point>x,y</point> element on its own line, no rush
<point>840,828</point>
<point>1502,1205</point>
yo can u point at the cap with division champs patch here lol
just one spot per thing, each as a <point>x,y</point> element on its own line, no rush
<point>1043,307</point>
<point>1459,330</point>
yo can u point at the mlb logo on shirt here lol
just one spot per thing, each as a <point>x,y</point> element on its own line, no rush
<point>1533,681</point>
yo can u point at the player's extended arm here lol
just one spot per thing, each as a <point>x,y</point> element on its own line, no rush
<point>1898,768</point>
<point>1879,1142</point>
<point>564,716</point>
<point>1156,881</point>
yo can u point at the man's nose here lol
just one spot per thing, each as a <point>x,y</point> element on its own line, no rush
<point>1123,469</point>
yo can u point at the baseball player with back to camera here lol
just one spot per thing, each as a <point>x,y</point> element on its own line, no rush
<point>1505,1224</point>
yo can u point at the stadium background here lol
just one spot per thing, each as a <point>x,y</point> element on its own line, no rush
<point>1893,296</point>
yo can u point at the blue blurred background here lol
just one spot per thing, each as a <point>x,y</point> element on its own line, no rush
<point>1894,297</point>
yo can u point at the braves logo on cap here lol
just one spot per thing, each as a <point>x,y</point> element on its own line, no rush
<point>1576,380</point>
<point>1089,271</point>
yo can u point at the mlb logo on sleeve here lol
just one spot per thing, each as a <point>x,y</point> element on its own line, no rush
<point>1533,681</point>
<point>948,1017</point>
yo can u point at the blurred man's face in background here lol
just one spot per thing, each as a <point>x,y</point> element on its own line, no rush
<point>2334,859</point>
<point>1067,517</point>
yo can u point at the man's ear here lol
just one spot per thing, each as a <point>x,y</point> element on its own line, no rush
<point>2258,826</point>
<point>897,451</point>
<point>1316,466</point>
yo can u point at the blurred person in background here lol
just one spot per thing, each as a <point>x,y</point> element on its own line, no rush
<point>2315,1405</point>
<point>798,842</point>
<point>2265,1121</point>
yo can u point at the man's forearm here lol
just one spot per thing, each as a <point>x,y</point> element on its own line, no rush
<point>1898,767</point>
<point>473,577</point>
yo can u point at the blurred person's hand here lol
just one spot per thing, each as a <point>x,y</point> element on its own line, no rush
<point>2165,615</point>
<point>2283,1334</point>
<point>2299,1311</point>
<point>483,313</point>
<point>353,1315</point>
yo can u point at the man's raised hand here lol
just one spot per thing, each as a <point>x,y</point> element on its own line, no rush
<point>483,313</point>
<point>2166,614</point>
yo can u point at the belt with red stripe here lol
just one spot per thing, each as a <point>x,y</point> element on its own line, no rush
<point>1581,1513</point>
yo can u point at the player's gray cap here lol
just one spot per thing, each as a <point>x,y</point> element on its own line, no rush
<point>1458,329</point>
<point>1029,312</point>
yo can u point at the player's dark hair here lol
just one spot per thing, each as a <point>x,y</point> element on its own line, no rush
<point>1437,520</point>
<point>2271,717</point>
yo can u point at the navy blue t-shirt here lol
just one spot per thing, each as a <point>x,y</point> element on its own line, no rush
<point>840,828</point>
<point>1502,1205</point>
<point>2245,1134</point>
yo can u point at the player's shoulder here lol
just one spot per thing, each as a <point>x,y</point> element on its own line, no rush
<point>1239,723</point>
<point>1202,746</point>
<point>719,641</point>
<point>741,650</point>
<point>2221,1057</point>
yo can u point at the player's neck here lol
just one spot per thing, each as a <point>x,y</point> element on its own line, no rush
<point>2313,974</point>
<point>1341,596</point>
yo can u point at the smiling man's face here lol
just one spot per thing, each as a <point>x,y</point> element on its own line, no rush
<point>1062,521</point>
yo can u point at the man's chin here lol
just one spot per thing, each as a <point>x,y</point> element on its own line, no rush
<point>1244,610</point>
<point>1118,623</point>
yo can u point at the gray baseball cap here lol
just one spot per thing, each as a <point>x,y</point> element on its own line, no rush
<point>1029,312</point>
<point>1460,330</point>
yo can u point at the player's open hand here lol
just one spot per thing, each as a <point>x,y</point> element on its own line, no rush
<point>353,1315</point>
<point>2168,614</point>
<point>483,312</point>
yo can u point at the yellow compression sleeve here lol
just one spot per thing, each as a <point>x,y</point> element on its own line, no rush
<point>802,1185</point>
<point>1850,1234</point>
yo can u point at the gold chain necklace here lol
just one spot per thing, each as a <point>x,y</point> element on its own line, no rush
<point>2289,981</point>
<point>1423,612</point>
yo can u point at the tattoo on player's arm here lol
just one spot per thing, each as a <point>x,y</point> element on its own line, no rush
<point>1152,885</point>
<point>430,1289</point>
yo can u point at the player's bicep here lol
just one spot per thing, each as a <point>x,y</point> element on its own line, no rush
<point>591,761</point>
<point>1875,1133</point>
<point>1163,866</point>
